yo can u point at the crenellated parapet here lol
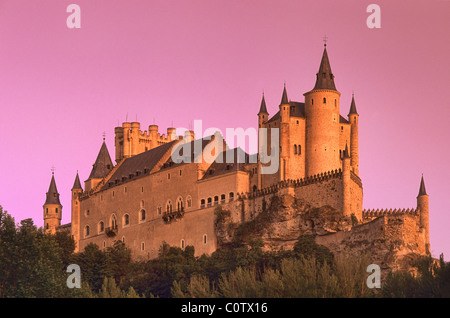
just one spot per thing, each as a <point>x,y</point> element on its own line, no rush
<point>295,183</point>
<point>374,213</point>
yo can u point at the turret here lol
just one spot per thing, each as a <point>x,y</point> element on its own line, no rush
<point>346,179</point>
<point>263,143</point>
<point>171,133</point>
<point>134,138</point>
<point>424,213</point>
<point>77,190</point>
<point>263,115</point>
<point>153,131</point>
<point>284,135</point>
<point>353,118</point>
<point>52,208</point>
<point>322,122</point>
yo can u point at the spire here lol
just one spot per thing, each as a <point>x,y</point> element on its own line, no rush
<point>422,190</point>
<point>77,183</point>
<point>263,108</point>
<point>325,78</point>
<point>103,165</point>
<point>52,194</point>
<point>353,106</point>
<point>346,152</point>
<point>284,98</point>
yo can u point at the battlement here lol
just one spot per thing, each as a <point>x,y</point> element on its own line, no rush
<point>317,178</point>
<point>373,213</point>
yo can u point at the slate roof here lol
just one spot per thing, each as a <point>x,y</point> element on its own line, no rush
<point>52,193</point>
<point>263,108</point>
<point>353,107</point>
<point>218,168</point>
<point>196,148</point>
<point>422,190</point>
<point>325,78</point>
<point>138,165</point>
<point>297,109</point>
<point>103,164</point>
<point>284,98</point>
<point>77,183</point>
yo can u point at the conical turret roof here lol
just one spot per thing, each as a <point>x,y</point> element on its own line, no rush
<point>284,98</point>
<point>422,190</point>
<point>263,108</point>
<point>77,183</point>
<point>353,106</point>
<point>52,193</point>
<point>325,78</point>
<point>103,165</point>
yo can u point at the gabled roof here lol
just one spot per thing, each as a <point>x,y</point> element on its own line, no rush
<point>52,193</point>
<point>138,165</point>
<point>195,148</point>
<point>325,78</point>
<point>239,159</point>
<point>297,109</point>
<point>103,164</point>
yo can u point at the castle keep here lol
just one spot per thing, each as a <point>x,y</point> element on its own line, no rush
<point>146,197</point>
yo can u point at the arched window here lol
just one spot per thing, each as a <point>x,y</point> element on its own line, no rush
<point>209,202</point>
<point>231,196</point>
<point>126,220</point>
<point>101,227</point>
<point>216,200</point>
<point>142,204</point>
<point>142,215</point>
<point>299,149</point>
<point>202,203</point>
<point>86,231</point>
<point>113,222</point>
<point>180,206</point>
<point>324,100</point>
<point>169,206</point>
<point>222,198</point>
<point>295,149</point>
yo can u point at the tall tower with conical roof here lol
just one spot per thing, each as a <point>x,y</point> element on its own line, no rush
<point>322,122</point>
<point>424,213</point>
<point>52,208</point>
<point>284,136</point>
<point>263,141</point>
<point>77,190</point>
<point>353,118</point>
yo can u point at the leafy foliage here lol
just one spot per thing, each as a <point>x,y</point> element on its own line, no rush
<point>33,264</point>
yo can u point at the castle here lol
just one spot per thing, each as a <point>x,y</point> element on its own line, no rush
<point>147,197</point>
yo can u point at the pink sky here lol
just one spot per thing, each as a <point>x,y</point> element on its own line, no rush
<point>172,62</point>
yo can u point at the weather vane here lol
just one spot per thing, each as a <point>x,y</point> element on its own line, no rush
<point>53,169</point>
<point>104,135</point>
<point>325,38</point>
